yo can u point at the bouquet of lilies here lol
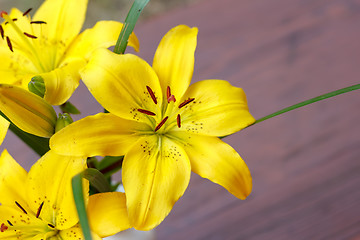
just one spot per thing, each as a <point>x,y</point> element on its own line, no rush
<point>156,127</point>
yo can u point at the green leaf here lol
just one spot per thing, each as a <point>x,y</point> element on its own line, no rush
<point>310,101</point>
<point>68,107</point>
<point>97,179</point>
<point>78,194</point>
<point>109,165</point>
<point>129,25</point>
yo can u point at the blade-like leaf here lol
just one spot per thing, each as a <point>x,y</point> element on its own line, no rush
<point>78,194</point>
<point>96,179</point>
<point>129,25</point>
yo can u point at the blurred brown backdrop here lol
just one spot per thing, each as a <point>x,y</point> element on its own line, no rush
<point>305,164</point>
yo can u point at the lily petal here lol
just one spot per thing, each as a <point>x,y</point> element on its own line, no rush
<point>156,172</point>
<point>49,182</point>
<point>74,233</point>
<point>103,35</point>
<point>103,134</point>
<point>62,82</point>
<point>219,109</point>
<point>15,68</point>
<point>215,160</point>
<point>12,181</point>
<point>119,83</point>
<point>64,19</point>
<point>4,125</point>
<point>27,111</point>
<point>107,213</point>
<point>174,59</point>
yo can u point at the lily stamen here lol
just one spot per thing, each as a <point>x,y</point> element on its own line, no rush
<point>50,225</point>
<point>39,210</point>
<point>146,112</point>
<point>14,20</point>
<point>9,223</point>
<point>150,91</point>
<point>2,32</point>
<point>38,22</point>
<point>178,121</point>
<point>9,43</point>
<point>22,209</point>
<point>168,92</point>
<point>29,35</point>
<point>161,123</point>
<point>27,11</point>
<point>186,102</point>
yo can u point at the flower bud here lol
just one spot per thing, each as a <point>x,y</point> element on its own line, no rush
<point>37,86</point>
<point>27,111</point>
<point>63,120</point>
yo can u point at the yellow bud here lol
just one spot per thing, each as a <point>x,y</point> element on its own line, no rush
<point>27,111</point>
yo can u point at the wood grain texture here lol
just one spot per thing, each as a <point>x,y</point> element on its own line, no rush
<point>305,164</point>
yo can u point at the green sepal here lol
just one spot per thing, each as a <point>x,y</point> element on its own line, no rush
<point>37,86</point>
<point>63,120</point>
<point>68,107</point>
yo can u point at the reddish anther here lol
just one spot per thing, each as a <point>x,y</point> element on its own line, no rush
<point>39,210</point>
<point>2,32</point>
<point>146,112</point>
<point>150,91</point>
<point>3,227</point>
<point>14,20</point>
<point>2,13</point>
<point>27,11</point>
<point>168,92</point>
<point>22,209</point>
<point>38,22</point>
<point>30,36</point>
<point>161,123</point>
<point>186,102</point>
<point>178,121</point>
<point>9,44</point>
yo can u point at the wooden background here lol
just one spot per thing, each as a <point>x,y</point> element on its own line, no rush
<point>305,164</point>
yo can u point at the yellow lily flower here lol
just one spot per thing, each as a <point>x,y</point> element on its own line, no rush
<point>164,127</point>
<point>40,204</point>
<point>49,45</point>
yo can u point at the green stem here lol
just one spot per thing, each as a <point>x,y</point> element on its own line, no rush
<point>310,101</point>
<point>129,25</point>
